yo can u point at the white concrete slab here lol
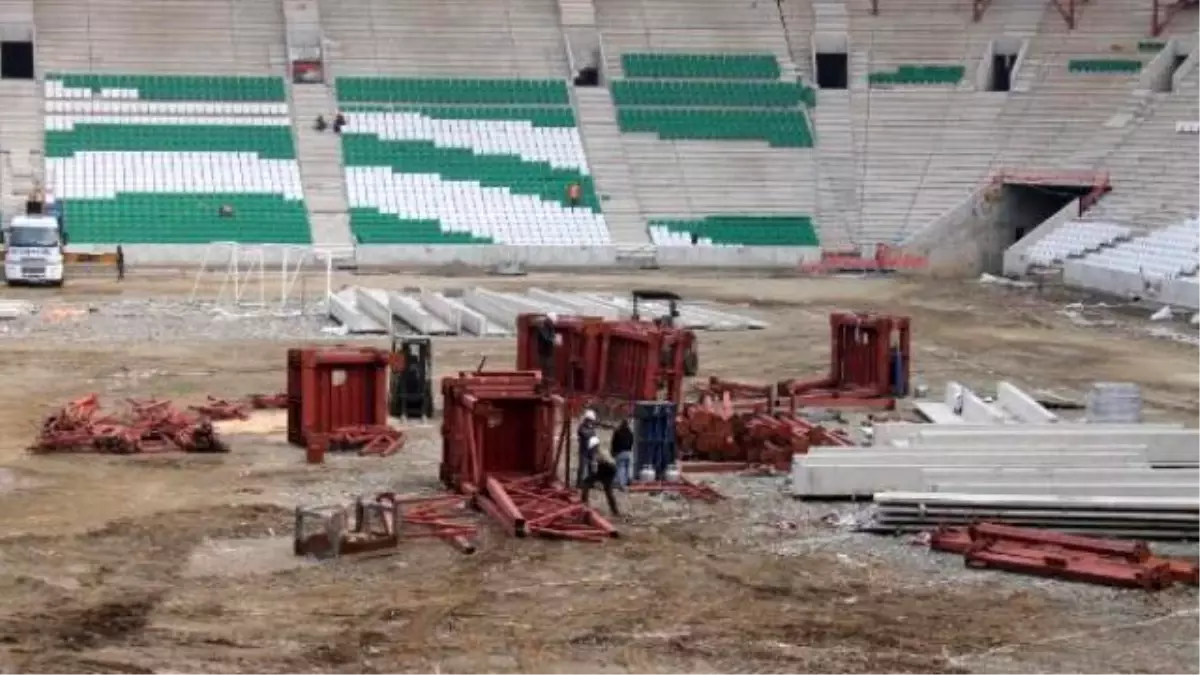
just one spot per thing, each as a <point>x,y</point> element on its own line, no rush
<point>1164,447</point>
<point>460,318</point>
<point>409,310</point>
<point>343,308</point>
<point>1067,489</point>
<point>887,433</point>
<point>871,475</point>
<point>1022,406</point>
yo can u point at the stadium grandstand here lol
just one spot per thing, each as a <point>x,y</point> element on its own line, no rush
<point>980,135</point>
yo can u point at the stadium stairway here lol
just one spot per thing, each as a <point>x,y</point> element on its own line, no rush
<point>321,173</point>
<point>20,140</point>
<point>609,165</point>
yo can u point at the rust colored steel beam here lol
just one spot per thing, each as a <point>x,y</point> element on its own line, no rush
<point>1134,551</point>
<point>1089,569</point>
<point>683,487</point>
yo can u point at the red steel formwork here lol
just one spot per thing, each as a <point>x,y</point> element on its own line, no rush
<point>333,388</point>
<point>861,361</point>
<point>499,447</point>
<point>574,358</point>
<point>640,361</point>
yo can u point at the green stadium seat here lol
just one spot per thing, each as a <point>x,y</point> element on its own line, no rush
<point>702,66</point>
<point>1104,66</point>
<point>466,161</point>
<point>737,230</point>
<point>160,178</point>
<point>919,75</point>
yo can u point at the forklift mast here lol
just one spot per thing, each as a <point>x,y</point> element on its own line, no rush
<point>410,394</point>
<point>644,296</point>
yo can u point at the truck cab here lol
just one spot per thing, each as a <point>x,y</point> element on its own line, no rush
<point>33,250</point>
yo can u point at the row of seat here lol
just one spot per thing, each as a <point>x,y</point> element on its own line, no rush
<point>919,74</point>
<point>170,108</point>
<point>744,230</point>
<point>701,66</point>
<point>452,91</point>
<point>780,128</point>
<point>538,116</point>
<point>700,94</point>
<point>1104,66</point>
<point>167,87</point>
<point>187,218</point>
<point>273,142</point>
<point>1073,239</point>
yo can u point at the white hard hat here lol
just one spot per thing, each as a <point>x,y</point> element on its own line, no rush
<point>593,442</point>
<point>589,415</point>
<point>552,316</point>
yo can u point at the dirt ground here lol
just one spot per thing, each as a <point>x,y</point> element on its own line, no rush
<point>183,563</point>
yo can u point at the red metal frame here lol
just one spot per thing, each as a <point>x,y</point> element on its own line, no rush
<point>1128,564</point>
<point>331,388</point>
<point>1164,12</point>
<point>499,447</point>
<point>860,360</point>
<point>574,357</point>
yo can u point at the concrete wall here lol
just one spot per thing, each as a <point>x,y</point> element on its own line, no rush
<point>955,243</point>
<point>765,257</point>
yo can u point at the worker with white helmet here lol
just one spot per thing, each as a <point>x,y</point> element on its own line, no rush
<point>602,469</point>
<point>585,434</point>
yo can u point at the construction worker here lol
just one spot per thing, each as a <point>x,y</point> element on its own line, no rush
<point>574,194</point>
<point>547,344</point>
<point>622,451</point>
<point>585,434</point>
<point>601,469</point>
<point>120,263</point>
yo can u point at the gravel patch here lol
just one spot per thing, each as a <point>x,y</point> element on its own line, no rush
<point>150,320</point>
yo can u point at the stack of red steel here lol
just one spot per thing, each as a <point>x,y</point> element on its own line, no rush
<point>368,439</point>
<point>330,388</point>
<point>610,363</point>
<point>1127,564</point>
<point>716,431</point>
<point>869,366</point>
<point>148,426</point>
<point>499,446</point>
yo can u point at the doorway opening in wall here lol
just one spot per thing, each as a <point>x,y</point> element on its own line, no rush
<point>833,70</point>
<point>16,60</point>
<point>1025,206</point>
<point>1176,62</point>
<point>1002,67</point>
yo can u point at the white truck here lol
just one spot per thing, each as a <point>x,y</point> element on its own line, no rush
<point>33,251</point>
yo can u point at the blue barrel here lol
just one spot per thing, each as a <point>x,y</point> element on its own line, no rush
<point>899,385</point>
<point>653,437</point>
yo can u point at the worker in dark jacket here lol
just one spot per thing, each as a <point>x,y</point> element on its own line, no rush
<point>547,343</point>
<point>602,469</point>
<point>622,452</point>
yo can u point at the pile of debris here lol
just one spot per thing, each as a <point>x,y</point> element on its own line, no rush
<point>713,431</point>
<point>147,426</point>
<point>380,524</point>
<point>1125,564</point>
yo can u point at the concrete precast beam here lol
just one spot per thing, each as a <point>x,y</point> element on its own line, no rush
<point>1115,532</point>
<point>888,433</point>
<point>1176,447</point>
<point>409,310</point>
<point>499,310</point>
<point>847,479</point>
<point>1042,502</point>
<point>1022,406</point>
<point>825,452</point>
<point>455,313</point>
<point>343,307</point>
<point>579,305</point>
<point>1113,489</point>
<point>1009,474</point>
<point>374,303</point>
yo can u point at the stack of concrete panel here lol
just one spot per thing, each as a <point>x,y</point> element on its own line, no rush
<point>905,454</point>
<point>1114,403</point>
<point>961,405</point>
<point>486,313</point>
<point>1141,517</point>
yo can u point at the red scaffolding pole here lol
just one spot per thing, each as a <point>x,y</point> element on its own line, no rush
<point>1165,11</point>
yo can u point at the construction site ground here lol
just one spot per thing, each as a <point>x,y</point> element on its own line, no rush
<point>182,563</point>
